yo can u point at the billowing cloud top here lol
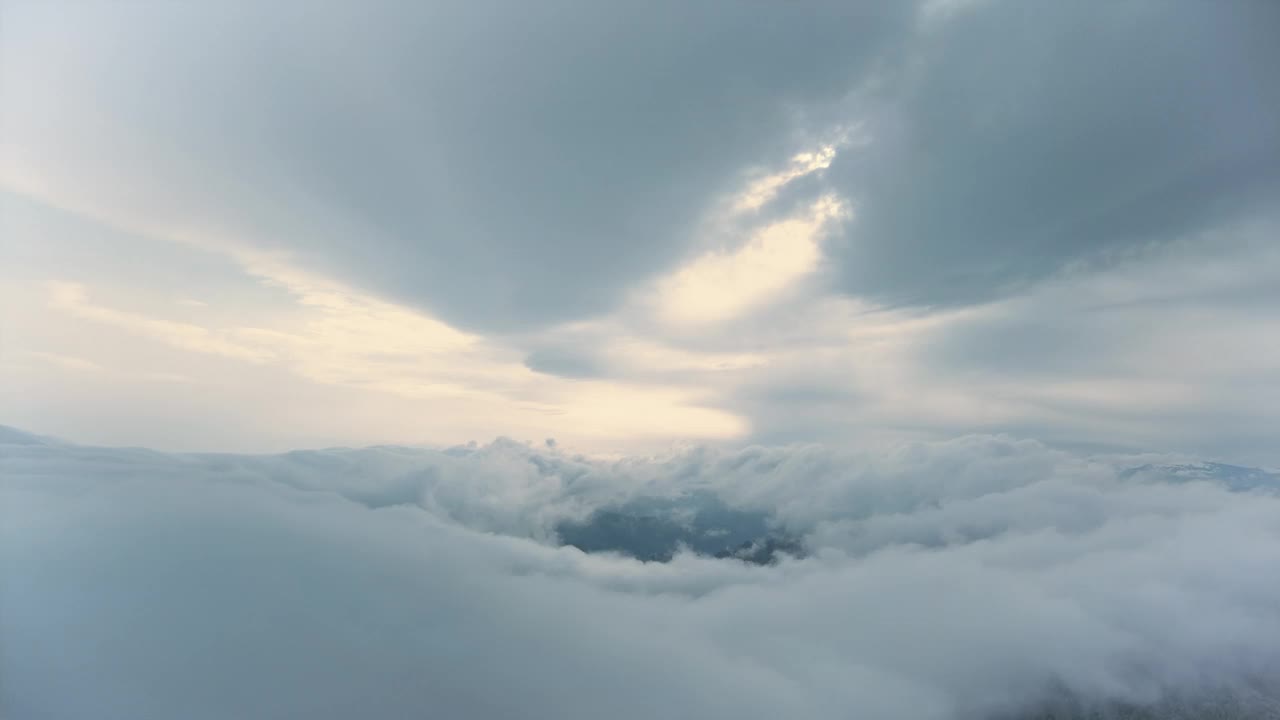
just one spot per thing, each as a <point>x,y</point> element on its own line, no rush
<point>975,578</point>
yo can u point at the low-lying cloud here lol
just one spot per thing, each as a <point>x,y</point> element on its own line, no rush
<point>979,577</point>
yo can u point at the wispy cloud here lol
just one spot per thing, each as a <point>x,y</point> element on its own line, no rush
<point>74,299</point>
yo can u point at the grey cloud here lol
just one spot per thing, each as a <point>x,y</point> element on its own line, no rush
<point>1195,317</point>
<point>273,586</point>
<point>798,404</point>
<point>1166,346</point>
<point>508,165</point>
<point>1019,136</point>
<point>502,164</point>
<point>39,240</point>
<point>14,436</point>
<point>565,361</point>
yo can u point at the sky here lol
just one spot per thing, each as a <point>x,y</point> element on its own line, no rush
<point>237,226</point>
<point>322,322</point>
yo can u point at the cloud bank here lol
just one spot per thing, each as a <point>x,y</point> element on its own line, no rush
<point>973,578</point>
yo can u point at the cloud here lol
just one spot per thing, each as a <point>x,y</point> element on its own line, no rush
<point>1014,138</point>
<point>264,363</point>
<point>66,361</point>
<point>74,299</point>
<point>1118,352</point>
<point>824,221</point>
<point>1168,346</point>
<point>970,578</point>
<point>540,175</point>
<point>879,225</point>
<point>530,177</point>
<point>330,335</point>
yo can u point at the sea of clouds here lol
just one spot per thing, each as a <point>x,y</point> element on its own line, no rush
<point>982,577</point>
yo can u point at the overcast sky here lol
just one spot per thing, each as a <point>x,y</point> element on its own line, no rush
<point>253,226</point>
<point>944,306</point>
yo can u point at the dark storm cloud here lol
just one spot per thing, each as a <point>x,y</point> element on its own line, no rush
<point>499,163</point>
<point>508,164</point>
<point>1019,136</point>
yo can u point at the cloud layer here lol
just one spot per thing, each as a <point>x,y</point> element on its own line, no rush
<point>978,577</point>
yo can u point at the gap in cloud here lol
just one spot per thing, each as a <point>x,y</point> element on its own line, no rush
<point>720,286</point>
<point>657,528</point>
<point>755,258</point>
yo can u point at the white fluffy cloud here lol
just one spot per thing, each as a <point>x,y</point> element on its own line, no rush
<point>966,578</point>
